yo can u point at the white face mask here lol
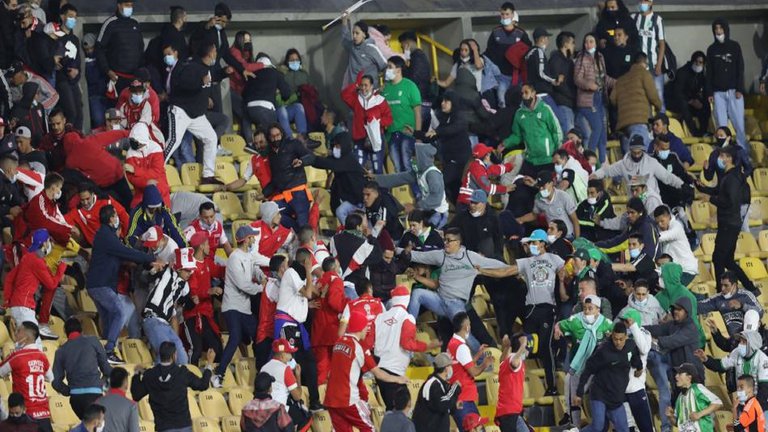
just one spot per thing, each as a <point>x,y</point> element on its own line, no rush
<point>116,225</point>
<point>292,363</point>
<point>592,201</point>
<point>590,319</point>
<point>476,213</point>
<point>742,395</point>
<point>337,152</point>
<point>465,59</point>
<point>407,54</point>
<point>697,69</point>
<point>720,38</point>
<point>389,74</point>
<point>641,302</point>
<point>742,350</point>
<point>727,295</point>
<point>449,373</point>
<point>551,238</point>
<point>100,428</point>
<point>544,193</point>
<point>57,195</point>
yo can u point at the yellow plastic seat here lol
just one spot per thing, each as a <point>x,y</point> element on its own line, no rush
<point>229,205</point>
<point>754,268</point>
<point>758,211</point>
<point>701,216</point>
<point>235,226</point>
<point>57,325</point>
<point>414,386</point>
<point>49,349</point>
<point>746,245</point>
<point>707,246</point>
<point>191,173</point>
<point>700,153</point>
<point>235,144</point>
<point>86,303</point>
<point>323,198</point>
<point>676,128</point>
<point>322,149</point>
<point>536,389</point>
<point>403,194</point>
<point>212,404</point>
<point>203,424</point>
<point>377,415</point>
<point>225,172</point>
<point>174,181</point>
<point>145,410</point>
<point>245,372</point>
<point>238,397</point>
<point>230,424</point>
<point>136,351</point>
<point>252,181</point>
<point>492,389</point>
<point>316,177</point>
<point>321,422</point>
<point>146,426</point>
<point>252,204</point>
<point>61,411</point>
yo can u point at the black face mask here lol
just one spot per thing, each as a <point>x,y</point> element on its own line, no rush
<point>611,13</point>
<point>636,159</point>
<point>528,102</point>
<point>720,142</point>
<point>248,47</point>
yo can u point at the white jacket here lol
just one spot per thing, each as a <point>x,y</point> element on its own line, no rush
<point>643,341</point>
<point>675,243</point>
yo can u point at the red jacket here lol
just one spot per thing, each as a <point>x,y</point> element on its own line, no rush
<point>366,112</point>
<point>476,177</point>
<point>53,146</point>
<point>236,81</point>
<point>22,282</point>
<point>89,156</point>
<point>87,221</point>
<point>200,285</point>
<point>267,309</point>
<point>325,324</point>
<point>270,241</point>
<point>148,164</point>
<point>154,102</point>
<point>262,170</point>
<point>42,212</point>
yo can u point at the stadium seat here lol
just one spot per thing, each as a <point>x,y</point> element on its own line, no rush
<point>419,372</point>
<point>174,181</point>
<point>722,420</point>
<point>676,128</point>
<point>236,225</point>
<point>5,335</point>
<point>489,412</point>
<point>747,246</point>
<point>754,268</point>
<point>230,424</point>
<point>236,145</point>
<point>85,302</point>
<point>253,181</point>
<point>225,172</point>
<point>480,306</point>
<point>321,422</point>
<point>323,198</point>
<point>316,177</point>
<point>377,415</point>
<point>191,173</point>
<point>414,386</point>
<point>322,149</point>
<point>700,153</point>
<point>701,216</point>
<point>245,372</point>
<point>760,176</point>
<point>145,410</point>
<point>137,352</point>
<point>146,426</point>
<point>252,204</point>
<point>57,325</point>
<point>492,389</point>
<point>229,205</point>
<point>61,411</point>
<point>758,211</point>
<point>194,408</point>
<point>536,391</point>
<point>707,246</point>
<point>49,349</point>
<point>203,424</point>
<point>238,397</point>
<point>403,194</point>
<point>89,325</point>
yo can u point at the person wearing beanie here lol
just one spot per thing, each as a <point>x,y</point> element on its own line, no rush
<point>152,212</point>
<point>271,235</point>
<point>396,341</point>
<point>23,280</point>
<point>342,398</point>
<point>201,329</point>
<point>634,221</point>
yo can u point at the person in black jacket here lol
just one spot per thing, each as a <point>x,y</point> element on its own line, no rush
<point>120,46</point>
<point>561,64</point>
<point>618,53</point>
<point>287,159</point>
<point>725,80</point>
<point>609,368</point>
<point>671,162</point>
<point>68,76</point>
<point>7,21</point>
<point>11,197</point>
<point>418,69</point>
<point>687,97</point>
<point>727,197</point>
<point>479,226</point>
<point>214,32</point>
<point>615,15</point>
<point>172,34</point>
<point>259,95</point>
<point>437,398</point>
<point>190,84</point>
<point>420,236</point>
<point>348,176</point>
<point>166,385</point>
<point>355,250</point>
<point>381,210</point>
<point>41,55</point>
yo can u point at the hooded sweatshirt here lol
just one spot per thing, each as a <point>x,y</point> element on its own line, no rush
<point>429,178</point>
<point>265,414</point>
<point>679,338</point>
<point>167,386</point>
<point>643,340</point>
<point>673,291</point>
<point>539,129</point>
<point>348,179</point>
<point>650,311</point>
<point>755,363</point>
<point>366,58</point>
<point>734,318</point>
<point>725,63</point>
<point>648,166</point>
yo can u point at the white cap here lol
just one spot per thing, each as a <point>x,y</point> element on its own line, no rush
<point>595,300</point>
<point>23,132</point>
<point>751,320</point>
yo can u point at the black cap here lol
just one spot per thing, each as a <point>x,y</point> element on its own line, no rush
<point>687,368</point>
<point>540,32</point>
<point>576,131</point>
<point>544,177</point>
<point>263,382</point>
<point>636,141</point>
<point>142,74</point>
<point>15,68</point>
<point>404,36</point>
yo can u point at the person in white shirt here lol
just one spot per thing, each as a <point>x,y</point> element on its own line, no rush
<point>281,367</point>
<point>674,243</point>
<point>637,398</point>
<point>242,280</point>
<point>160,245</point>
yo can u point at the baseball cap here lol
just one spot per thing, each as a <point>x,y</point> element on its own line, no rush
<point>473,420</point>
<point>480,150</point>
<point>23,132</point>
<point>582,254</point>
<point>198,238</point>
<point>54,29</point>
<point>112,114</point>
<point>638,180</point>
<point>89,40</point>
<point>595,254</point>
<point>282,345</point>
<point>185,259</point>
<point>479,196</point>
<point>636,141</point>
<point>544,177</point>
<point>39,237</point>
<point>263,381</point>
<point>152,237</point>
<point>244,231</point>
<point>595,300</point>
<point>536,235</point>
<point>442,360</point>
<point>687,368</point>
<point>357,322</point>
<point>540,32</point>
<point>15,68</point>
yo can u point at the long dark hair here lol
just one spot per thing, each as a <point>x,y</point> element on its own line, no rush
<point>457,51</point>
<point>290,52</point>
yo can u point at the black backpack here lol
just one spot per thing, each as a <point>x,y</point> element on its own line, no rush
<point>670,62</point>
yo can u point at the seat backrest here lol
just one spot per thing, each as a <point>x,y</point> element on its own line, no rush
<point>708,243</point>
<point>212,404</point>
<point>753,267</point>
<point>172,174</point>
<point>61,411</point>
<point>136,351</point>
<point>225,172</point>
<point>238,398</point>
<point>202,424</point>
<point>230,424</point>
<point>233,143</point>
<point>228,203</point>
<point>245,372</point>
<point>191,173</point>
<point>194,408</point>
<point>321,422</point>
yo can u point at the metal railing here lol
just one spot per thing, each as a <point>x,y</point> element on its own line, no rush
<point>436,48</point>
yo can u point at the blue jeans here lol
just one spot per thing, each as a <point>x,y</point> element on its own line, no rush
<point>440,306</point>
<point>466,408</point>
<point>401,149</point>
<point>97,105</point>
<point>567,119</point>
<point>438,220</point>
<point>659,369</point>
<point>295,213</point>
<point>293,112</point>
<point>505,81</point>
<point>374,158</point>
<point>617,416</point>
<point>344,209</point>
<point>131,318</point>
<point>640,129</point>
<point>159,331</point>
<point>658,81</point>
<point>184,153</point>
<point>726,107</point>
<point>595,116</point>
<point>111,313</point>
<point>242,328</point>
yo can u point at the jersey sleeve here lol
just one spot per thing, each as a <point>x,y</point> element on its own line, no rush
<point>464,356</point>
<point>345,315</point>
<point>368,362</point>
<point>289,379</point>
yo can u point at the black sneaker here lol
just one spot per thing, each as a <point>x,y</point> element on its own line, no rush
<point>551,392</point>
<point>316,407</point>
<point>113,359</point>
<point>565,421</point>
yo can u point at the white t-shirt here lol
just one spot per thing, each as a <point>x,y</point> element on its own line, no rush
<point>285,380</point>
<point>290,300</point>
<point>478,73</point>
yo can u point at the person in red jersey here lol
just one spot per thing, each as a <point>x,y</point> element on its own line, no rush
<point>476,176</point>
<point>200,327</point>
<point>272,236</point>
<point>29,370</point>
<point>86,216</point>
<point>366,304</point>
<point>350,361</point>
<point>325,325</point>
<point>22,282</point>
<point>258,166</point>
<point>213,229</point>
<point>511,379</point>
<point>465,367</point>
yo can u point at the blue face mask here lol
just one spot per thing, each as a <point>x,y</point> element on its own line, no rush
<point>591,51</point>
<point>137,98</point>
<point>663,154</point>
<point>71,22</point>
<point>634,253</point>
<point>294,65</point>
<point>644,7</point>
<point>170,60</point>
<point>534,250</point>
<point>720,164</point>
<point>127,12</point>
<point>506,21</point>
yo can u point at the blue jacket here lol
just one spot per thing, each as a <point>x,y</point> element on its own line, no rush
<point>140,222</point>
<point>108,253</point>
<point>677,147</point>
<point>95,78</point>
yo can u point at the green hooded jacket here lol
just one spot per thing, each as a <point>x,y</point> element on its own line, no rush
<point>673,290</point>
<point>539,129</point>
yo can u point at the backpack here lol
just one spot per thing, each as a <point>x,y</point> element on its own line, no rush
<point>670,62</point>
<point>515,55</point>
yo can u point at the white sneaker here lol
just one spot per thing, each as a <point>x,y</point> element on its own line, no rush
<point>47,333</point>
<point>216,381</point>
<point>573,430</point>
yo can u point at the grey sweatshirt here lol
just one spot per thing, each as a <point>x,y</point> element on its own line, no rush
<point>82,362</point>
<point>434,198</point>
<point>365,57</point>
<point>457,271</point>
<point>627,168</point>
<point>122,413</point>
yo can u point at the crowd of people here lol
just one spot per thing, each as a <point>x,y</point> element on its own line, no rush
<point>507,161</point>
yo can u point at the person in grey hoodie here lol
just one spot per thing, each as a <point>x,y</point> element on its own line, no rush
<point>363,53</point>
<point>82,361</point>
<point>430,181</point>
<point>644,302</point>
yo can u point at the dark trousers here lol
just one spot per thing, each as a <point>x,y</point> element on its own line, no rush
<point>80,402</point>
<point>641,410</point>
<point>121,192</point>
<point>539,319</point>
<point>522,198</point>
<point>242,329</point>
<point>70,101</point>
<point>507,423</point>
<point>452,177</point>
<point>389,390</point>
<point>508,303</point>
<point>722,256</point>
<point>263,352</point>
<point>44,425</point>
<point>306,360</point>
<point>203,340</point>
